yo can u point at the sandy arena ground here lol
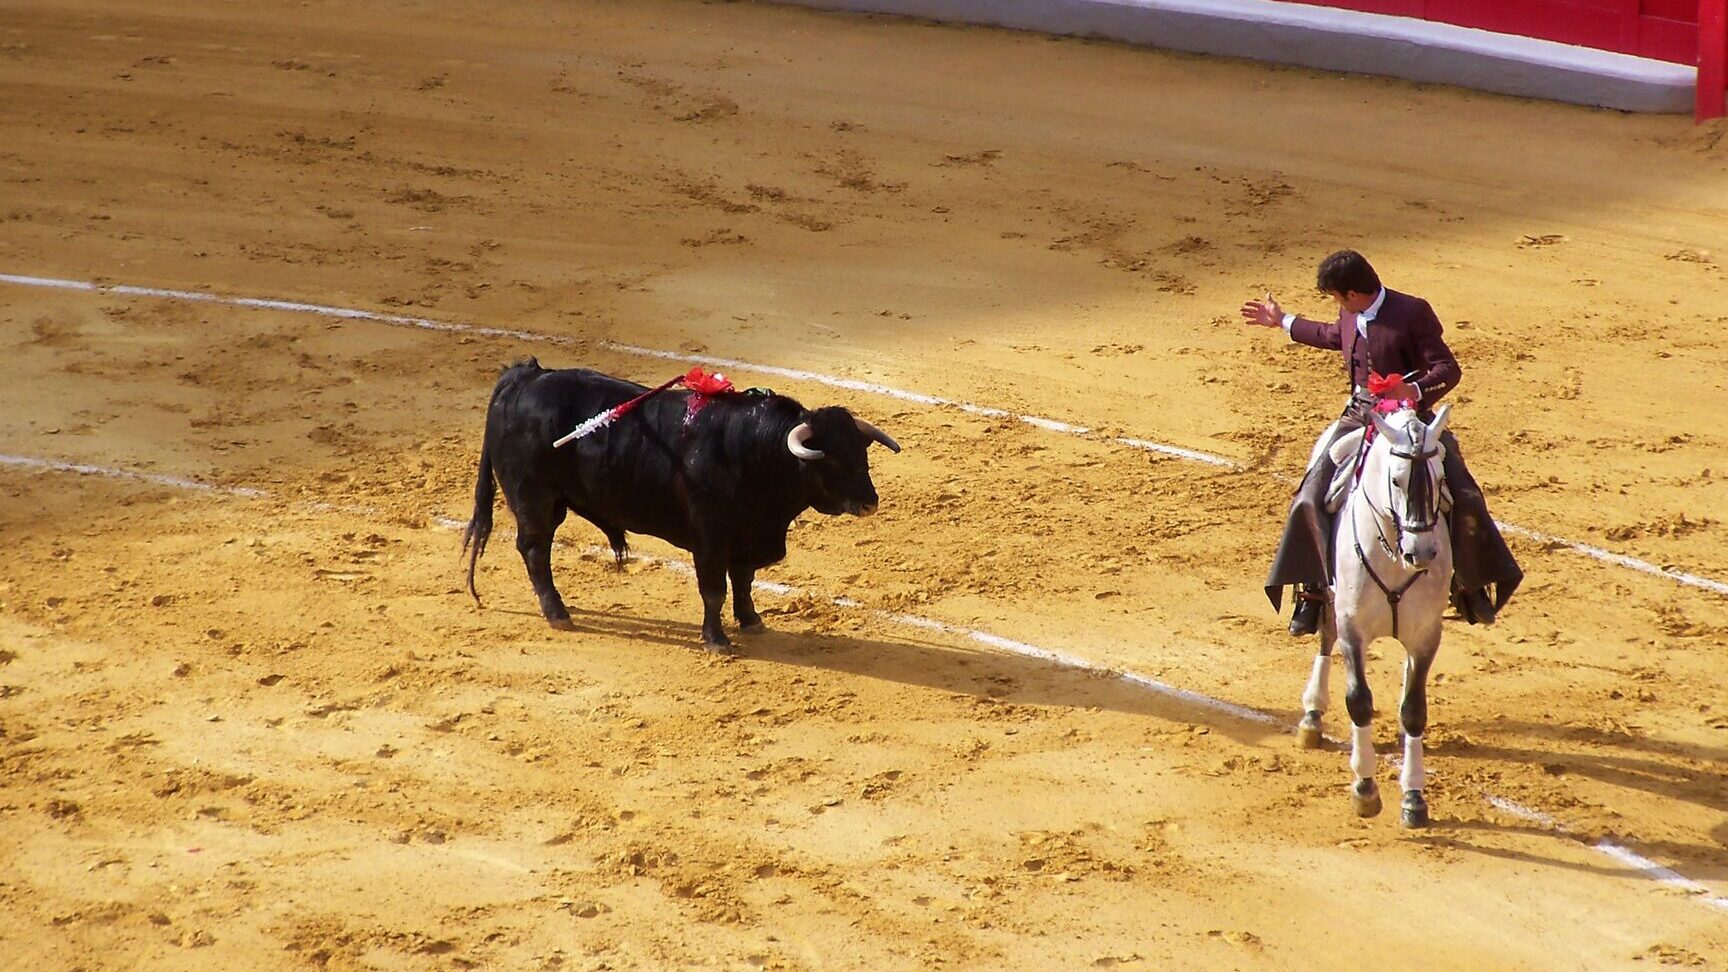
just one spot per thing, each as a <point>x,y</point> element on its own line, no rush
<point>270,731</point>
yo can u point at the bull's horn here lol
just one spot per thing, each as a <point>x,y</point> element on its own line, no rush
<point>877,434</point>
<point>796,438</point>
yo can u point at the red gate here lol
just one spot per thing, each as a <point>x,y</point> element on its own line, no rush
<point>1681,31</point>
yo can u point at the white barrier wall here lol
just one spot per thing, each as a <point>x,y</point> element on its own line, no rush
<point>1331,39</point>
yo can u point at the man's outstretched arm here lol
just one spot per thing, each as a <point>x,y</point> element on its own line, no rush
<point>1267,313</point>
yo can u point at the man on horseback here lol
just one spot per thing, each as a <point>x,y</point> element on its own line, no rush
<point>1386,332</point>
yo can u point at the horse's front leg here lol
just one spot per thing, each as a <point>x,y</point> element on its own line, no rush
<point>1314,698</point>
<point>1413,714</point>
<point>1365,795</point>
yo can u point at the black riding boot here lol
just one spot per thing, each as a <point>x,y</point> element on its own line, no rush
<point>1473,604</point>
<point>1304,554</point>
<point>1306,619</point>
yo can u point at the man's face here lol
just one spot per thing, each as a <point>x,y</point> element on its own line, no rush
<point>1352,301</point>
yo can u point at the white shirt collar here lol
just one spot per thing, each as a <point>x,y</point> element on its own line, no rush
<point>1373,310</point>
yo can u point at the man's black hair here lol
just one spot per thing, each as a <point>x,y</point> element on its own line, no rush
<point>1347,271</point>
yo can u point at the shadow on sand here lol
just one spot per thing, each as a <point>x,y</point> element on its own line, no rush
<point>944,662</point>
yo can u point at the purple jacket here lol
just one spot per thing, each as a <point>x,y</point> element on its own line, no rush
<point>1403,338</point>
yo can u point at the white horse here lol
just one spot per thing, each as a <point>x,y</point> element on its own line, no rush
<point>1392,576</point>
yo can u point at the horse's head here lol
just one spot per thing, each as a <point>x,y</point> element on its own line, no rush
<point>1411,461</point>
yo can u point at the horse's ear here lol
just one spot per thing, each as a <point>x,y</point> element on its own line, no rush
<point>1438,426</point>
<point>1384,427</point>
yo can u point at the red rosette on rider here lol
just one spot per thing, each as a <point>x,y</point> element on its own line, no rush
<point>1385,388</point>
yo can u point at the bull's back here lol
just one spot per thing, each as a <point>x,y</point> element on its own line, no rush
<point>621,477</point>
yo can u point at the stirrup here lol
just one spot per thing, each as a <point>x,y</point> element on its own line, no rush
<point>1305,620</point>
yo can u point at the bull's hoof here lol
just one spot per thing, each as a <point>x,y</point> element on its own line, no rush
<point>562,624</point>
<point>1415,814</point>
<point>723,648</point>
<point>1308,734</point>
<point>752,627</point>
<point>1365,798</point>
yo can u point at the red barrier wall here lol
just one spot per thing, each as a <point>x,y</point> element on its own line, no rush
<point>1663,29</point>
<point>1712,59</point>
<point>1681,31</point>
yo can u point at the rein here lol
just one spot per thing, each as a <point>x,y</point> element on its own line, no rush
<point>1421,481</point>
<point>1392,596</point>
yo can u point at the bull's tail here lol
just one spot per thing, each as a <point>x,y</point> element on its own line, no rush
<point>479,528</point>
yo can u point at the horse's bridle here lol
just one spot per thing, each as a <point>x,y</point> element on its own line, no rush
<point>1421,481</point>
<point>1430,520</point>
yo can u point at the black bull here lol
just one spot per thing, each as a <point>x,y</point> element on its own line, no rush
<point>724,483</point>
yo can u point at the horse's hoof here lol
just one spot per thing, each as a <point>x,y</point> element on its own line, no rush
<point>1415,810</point>
<point>562,624</point>
<point>1365,798</point>
<point>754,627</point>
<point>722,648</point>
<point>1308,734</point>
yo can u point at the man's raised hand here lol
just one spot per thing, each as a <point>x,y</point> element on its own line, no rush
<point>1265,313</point>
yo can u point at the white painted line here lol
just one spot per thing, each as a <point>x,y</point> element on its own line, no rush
<point>1180,452</point>
<point>1054,426</point>
<point>1071,661</point>
<point>983,637</point>
<point>265,303</point>
<point>398,320</point>
<point>49,282</point>
<point>833,381</point>
<point>1655,871</point>
<point>1524,812</point>
<point>852,384</point>
<point>1630,858</point>
<point>54,465</point>
<point>1608,556</point>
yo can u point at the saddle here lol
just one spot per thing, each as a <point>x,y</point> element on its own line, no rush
<point>1347,452</point>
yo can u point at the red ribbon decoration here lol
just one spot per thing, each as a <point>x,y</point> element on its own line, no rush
<point>1381,386</point>
<point>703,383</point>
<point>702,387</point>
